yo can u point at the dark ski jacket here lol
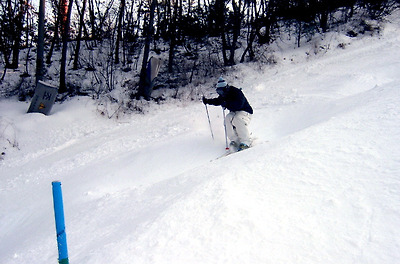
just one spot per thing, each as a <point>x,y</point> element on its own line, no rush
<point>231,98</point>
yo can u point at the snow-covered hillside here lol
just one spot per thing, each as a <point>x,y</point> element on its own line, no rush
<point>320,185</point>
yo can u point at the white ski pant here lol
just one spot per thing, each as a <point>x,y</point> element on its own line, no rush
<point>237,126</point>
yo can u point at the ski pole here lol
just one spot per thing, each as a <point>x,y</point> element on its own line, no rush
<point>226,137</point>
<point>209,122</point>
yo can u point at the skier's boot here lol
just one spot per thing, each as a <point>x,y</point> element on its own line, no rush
<point>233,146</point>
<point>243,146</point>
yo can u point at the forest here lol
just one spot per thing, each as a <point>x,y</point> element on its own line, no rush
<point>99,41</point>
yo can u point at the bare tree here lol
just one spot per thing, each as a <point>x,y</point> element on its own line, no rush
<point>119,30</point>
<point>65,38</point>
<point>40,70</point>
<point>173,37</point>
<point>56,38</point>
<point>99,12</point>
<point>12,28</point>
<point>253,13</point>
<point>144,84</point>
<point>79,37</point>
<point>18,31</point>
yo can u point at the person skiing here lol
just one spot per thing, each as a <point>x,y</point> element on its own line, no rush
<point>239,117</point>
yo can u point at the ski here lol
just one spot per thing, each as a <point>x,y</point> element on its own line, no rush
<point>231,150</point>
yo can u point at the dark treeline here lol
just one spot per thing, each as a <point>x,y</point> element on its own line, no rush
<point>195,37</point>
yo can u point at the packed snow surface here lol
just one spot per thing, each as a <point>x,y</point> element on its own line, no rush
<point>321,183</point>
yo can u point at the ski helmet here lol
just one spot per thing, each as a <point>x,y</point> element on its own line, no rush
<point>221,83</point>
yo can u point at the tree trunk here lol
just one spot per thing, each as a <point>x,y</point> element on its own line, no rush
<point>65,36</point>
<point>220,20</point>
<point>55,37</point>
<point>236,31</point>
<point>173,36</point>
<point>92,19</point>
<point>119,30</point>
<point>252,17</point>
<point>144,84</point>
<point>40,70</point>
<point>18,29</point>
<point>78,39</point>
<point>299,32</point>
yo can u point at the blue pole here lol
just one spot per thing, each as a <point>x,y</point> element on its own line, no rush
<point>60,223</point>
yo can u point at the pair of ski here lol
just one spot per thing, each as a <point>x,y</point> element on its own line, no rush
<point>233,148</point>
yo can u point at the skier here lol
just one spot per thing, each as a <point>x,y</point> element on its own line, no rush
<point>240,114</point>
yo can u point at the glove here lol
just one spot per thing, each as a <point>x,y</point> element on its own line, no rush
<point>205,100</point>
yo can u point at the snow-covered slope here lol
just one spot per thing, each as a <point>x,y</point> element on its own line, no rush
<point>320,185</point>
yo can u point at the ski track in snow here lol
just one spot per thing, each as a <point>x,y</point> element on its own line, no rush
<point>320,185</point>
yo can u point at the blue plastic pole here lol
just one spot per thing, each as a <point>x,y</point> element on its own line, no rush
<point>60,223</point>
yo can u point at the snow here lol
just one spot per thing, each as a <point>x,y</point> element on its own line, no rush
<point>320,185</point>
